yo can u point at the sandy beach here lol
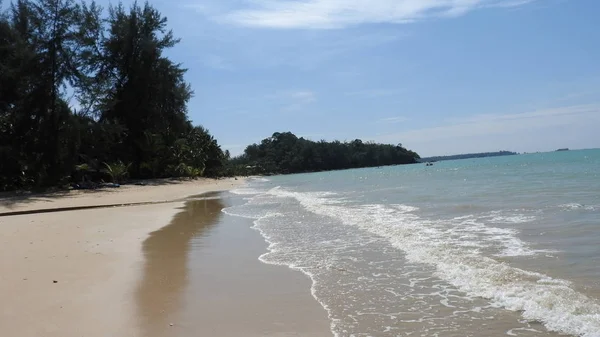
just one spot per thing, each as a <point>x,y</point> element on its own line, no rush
<point>174,265</point>
<point>75,273</point>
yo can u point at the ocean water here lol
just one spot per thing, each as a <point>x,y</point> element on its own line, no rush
<point>479,247</point>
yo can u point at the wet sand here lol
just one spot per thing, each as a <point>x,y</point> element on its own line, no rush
<point>75,273</point>
<point>202,278</point>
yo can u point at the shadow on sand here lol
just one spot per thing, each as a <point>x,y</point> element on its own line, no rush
<point>165,273</point>
<point>12,200</point>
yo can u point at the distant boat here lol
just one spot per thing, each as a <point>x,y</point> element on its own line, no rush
<point>564,149</point>
<point>429,164</point>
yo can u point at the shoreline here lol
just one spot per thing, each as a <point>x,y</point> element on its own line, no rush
<point>202,276</point>
<point>72,273</point>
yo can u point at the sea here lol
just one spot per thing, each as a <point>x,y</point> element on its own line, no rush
<point>502,246</point>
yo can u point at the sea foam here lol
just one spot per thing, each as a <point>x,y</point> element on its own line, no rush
<point>456,251</point>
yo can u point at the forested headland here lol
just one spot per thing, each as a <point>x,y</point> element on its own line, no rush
<point>87,94</point>
<point>285,153</point>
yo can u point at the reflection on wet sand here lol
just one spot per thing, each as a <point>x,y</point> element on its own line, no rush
<point>165,273</point>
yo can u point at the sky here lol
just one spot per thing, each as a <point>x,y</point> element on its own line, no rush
<point>439,76</point>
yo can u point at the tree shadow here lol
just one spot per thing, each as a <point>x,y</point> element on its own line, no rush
<point>14,199</point>
<point>166,252</point>
<point>11,200</point>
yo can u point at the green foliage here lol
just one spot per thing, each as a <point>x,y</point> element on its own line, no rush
<point>184,170</point>
<point>118,171</point>
<point>286,153</point>
<point>132,98</point>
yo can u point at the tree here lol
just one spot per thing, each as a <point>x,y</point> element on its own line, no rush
<point>54,25</point>
<point>147,91</point>
<point>286,153</point>
<point>132,99</point>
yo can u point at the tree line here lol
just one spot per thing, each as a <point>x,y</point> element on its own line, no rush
<point>285,153</point>
<point>470,155</point>
<point>88,93</point>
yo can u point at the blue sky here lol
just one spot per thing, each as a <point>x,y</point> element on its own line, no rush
<point>439,76</point>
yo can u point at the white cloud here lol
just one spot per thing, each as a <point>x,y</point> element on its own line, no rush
<point>373,93</point>
<point>537,114</point>
<point>393,120</point>
<point>510,3</point>
<point>303,96</point>
<point>293,100</point>
<point>324,14</point>
<point>296,96</point>
<point>307,50</point>
<point>216,62</point>
<point>572,126</point>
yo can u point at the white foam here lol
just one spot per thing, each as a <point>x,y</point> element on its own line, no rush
<point>537,296</point>
<point>515,219</point>
<point>261,215</point>
<point>501,217</point>
<point>273,248</point>
<point>576,206</point>
<point>246,191</point>
<point>514,332</point>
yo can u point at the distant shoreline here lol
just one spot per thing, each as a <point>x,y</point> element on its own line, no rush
<point>468,156</point>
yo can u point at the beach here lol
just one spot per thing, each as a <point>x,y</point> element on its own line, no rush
<point>502,246</point>
<point>91,272</point>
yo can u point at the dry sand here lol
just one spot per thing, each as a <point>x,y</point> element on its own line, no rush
<point>75,273</point>
<point>154,191</point>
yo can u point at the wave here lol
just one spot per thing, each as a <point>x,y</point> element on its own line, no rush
<point>459,253</point>
<point>246,191</point>
<point>500,217</point>
<point>262,215</point>
<point>576,206</point>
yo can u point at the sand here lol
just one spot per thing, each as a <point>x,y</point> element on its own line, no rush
<point>75,273</point>
<point>155,191</point>
<point>201,277</point>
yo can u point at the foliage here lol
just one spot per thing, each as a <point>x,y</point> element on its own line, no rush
<point>81,86</point>
<point>286,153</point>
<point>131,99</point>
<point>118,171</point>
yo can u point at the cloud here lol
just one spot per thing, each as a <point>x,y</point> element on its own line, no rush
<point>508,4</point>
<point>374,93</point>
<point>526,117</point>
<point>307,50</point>
<point>328,14</point>
<point>216,62</point>
<point>303,96</point>
<point>392,120</point>
<point>541,128</point>
<point>297,96</point>
<point>292,100</point>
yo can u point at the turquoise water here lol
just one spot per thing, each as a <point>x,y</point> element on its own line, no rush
<point>480,247</point>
